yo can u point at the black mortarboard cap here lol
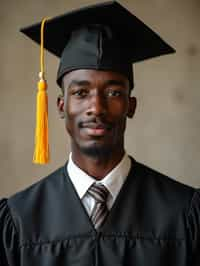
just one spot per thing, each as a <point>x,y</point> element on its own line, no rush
<point>104,36</point>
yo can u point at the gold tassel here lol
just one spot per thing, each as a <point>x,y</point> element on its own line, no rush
<point>41,152</point>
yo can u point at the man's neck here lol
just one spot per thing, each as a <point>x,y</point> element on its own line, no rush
<point>97,167</point>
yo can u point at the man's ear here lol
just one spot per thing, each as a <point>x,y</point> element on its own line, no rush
<point>60,106</point>
<point>132,107</point>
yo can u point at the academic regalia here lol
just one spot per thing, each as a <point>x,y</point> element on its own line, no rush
<point>104,37</point>
<point>154,221</point>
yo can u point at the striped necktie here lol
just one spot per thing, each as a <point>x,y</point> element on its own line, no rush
<point>100,211</point>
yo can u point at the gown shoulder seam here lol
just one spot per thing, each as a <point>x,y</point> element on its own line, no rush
<point>191,202</point>
<point>12,218</point>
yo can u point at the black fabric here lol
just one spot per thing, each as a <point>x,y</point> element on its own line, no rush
<point>154,221</point>
<point>95,47</point>
<point>121,40</point>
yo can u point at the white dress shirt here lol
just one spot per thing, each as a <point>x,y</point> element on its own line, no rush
<point>113,181</point>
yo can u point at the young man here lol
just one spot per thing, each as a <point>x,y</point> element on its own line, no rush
<point>102,207</point>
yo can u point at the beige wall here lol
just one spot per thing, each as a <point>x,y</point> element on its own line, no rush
<point>165,131</point>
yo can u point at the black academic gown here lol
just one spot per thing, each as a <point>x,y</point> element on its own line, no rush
<point>154,221</point>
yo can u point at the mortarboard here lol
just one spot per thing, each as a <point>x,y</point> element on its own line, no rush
<point>104,36</point>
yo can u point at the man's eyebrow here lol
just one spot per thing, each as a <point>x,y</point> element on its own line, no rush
<point>78,83</point>
<point>115,82</point>
<point>110,82</point>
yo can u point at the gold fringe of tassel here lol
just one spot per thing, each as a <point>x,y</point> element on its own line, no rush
<point>41,151</point>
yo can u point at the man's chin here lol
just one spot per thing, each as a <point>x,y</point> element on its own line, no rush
<point>96,151</point>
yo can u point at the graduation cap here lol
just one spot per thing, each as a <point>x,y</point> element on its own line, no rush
<point>104,36</point>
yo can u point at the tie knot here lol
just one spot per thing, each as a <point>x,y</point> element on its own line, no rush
<point>99,192</point>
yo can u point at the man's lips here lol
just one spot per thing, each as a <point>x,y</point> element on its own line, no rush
<point>95,128</point>
<point>95,131</point>
<point>95,125</point>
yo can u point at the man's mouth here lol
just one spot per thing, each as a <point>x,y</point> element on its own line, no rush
<point>95,128</point>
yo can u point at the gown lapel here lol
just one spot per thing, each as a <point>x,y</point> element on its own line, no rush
<point>117,220</point>
<point>78,220</point>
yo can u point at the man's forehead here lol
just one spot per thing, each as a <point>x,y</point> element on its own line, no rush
<point>91,75</point>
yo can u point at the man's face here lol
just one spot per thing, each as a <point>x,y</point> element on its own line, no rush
<point>95,106</point>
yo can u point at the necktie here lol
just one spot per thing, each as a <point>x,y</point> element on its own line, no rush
<point>100,193</point>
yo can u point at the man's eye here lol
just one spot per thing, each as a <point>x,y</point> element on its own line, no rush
<point>114,93</point>
<point>80,92</point>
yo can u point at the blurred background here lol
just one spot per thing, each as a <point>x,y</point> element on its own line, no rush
<point>165,132</point>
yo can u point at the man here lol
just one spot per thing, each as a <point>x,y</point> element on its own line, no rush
<point>102,207</point>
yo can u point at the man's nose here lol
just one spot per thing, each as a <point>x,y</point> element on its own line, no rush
<point>97,105</point>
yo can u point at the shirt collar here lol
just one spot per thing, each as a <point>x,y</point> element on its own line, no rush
<point>113,181</point>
